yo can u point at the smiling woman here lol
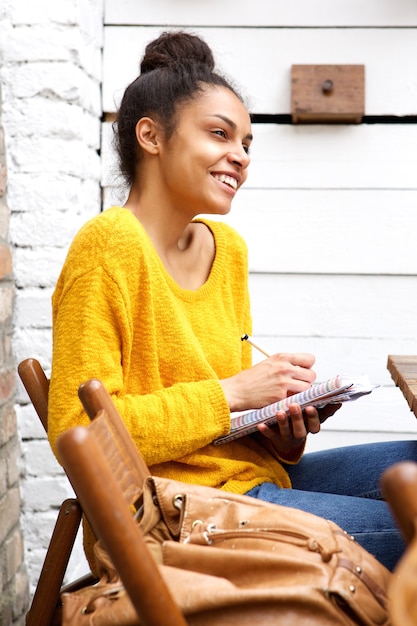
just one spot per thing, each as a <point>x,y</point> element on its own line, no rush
<point>153,301</point>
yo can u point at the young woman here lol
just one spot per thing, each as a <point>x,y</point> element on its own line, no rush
<point>153,301</point>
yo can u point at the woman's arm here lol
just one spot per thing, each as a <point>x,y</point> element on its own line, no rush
<point>92,338</point>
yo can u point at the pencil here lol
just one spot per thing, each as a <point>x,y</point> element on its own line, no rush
<point>246,337</point>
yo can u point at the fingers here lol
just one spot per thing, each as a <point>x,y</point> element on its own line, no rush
<point>295,421</point>
<point>303,374</point>
<point>312,420</point>
<point>297,366</point>
<point>302,359</point>
<point>290,427</point>
<point>293,425</point>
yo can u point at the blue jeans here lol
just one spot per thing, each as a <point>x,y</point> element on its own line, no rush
<point>342,484</point>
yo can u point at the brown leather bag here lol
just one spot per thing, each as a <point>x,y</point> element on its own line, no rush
<point>231,560</point>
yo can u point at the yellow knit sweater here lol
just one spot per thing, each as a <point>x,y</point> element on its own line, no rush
<point>160,350</point>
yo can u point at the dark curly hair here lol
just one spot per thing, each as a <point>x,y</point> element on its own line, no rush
<point>175,69</point>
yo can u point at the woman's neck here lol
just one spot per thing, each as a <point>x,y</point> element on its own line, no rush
<point>186,248</point>
<point>168,228</point>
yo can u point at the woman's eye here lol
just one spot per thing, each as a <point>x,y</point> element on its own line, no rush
<point>220,132</point>
<point>246,149</point>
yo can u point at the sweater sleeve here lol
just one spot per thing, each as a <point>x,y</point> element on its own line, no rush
<point>91,331</point>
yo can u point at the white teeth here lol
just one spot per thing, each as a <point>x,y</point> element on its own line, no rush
<point>228,180</point>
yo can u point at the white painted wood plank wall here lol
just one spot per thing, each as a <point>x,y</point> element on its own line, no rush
<point>329,212</point>
<point>260,59</point>
<point>273,13</point>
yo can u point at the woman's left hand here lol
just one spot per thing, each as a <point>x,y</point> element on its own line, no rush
<point>292,427</point>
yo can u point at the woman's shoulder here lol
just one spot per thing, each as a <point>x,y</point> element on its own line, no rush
<point>112,241</point>
<point>225,235</point>
<point>116,222</point>
<point>115,230</point>
<point>222,229</point>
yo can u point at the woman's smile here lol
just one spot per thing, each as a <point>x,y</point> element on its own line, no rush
<point>230,181</point>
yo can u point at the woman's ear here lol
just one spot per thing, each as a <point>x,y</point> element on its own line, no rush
<point>148,135</point>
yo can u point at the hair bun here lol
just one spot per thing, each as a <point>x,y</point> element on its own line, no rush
<point>176,48</point>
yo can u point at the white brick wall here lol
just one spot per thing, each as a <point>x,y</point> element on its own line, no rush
<point>50,61</point>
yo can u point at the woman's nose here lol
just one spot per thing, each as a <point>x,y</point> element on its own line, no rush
<point>240,157</point>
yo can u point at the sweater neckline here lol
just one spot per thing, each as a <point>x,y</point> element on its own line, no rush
<point>214,276</point>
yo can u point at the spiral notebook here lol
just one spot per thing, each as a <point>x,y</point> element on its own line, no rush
<point>338,389</point>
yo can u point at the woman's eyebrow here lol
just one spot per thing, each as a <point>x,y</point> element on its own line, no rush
<point>231,123</point>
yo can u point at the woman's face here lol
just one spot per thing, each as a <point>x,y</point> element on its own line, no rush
<point>205,160</point>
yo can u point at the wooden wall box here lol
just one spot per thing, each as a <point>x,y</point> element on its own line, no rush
<point>327,94</point>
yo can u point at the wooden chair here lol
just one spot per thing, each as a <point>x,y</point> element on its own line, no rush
<point>45,608</point>
<point>399,486</point>
<point>107,474</point>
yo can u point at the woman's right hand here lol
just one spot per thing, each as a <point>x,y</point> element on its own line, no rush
<point>271,380</point>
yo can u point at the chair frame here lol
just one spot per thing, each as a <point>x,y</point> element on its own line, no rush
<point>107,474</point>
<point>45,608</point>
